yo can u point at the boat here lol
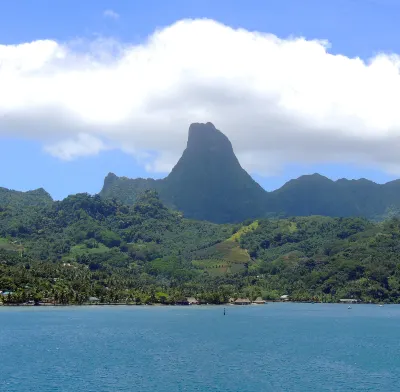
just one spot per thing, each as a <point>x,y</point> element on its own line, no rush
<point>349,307</point>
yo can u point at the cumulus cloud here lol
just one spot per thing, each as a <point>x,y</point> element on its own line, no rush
<point>280,101</point>
<point>110,14</point>
<point>83,144</point>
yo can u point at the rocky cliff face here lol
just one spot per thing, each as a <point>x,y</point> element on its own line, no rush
<point>207,183</point>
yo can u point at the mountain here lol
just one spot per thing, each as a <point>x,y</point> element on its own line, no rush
<point>37,197</point>
<point>207,183</point>
<point>126,189</point>
<point>317,195</point>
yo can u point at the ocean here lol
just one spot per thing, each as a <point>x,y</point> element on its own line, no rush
<point>274,347</point>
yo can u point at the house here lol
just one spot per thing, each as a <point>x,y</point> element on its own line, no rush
<point>242,301</point>
<point>4,293</point>
<point>285,297</point>
<point>259,301</point>
<point>192,301</point>
<point>93,299</point>
<point>348,300</point>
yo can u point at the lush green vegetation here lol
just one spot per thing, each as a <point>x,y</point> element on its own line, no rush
<point>16,199</point>
<point>86,246</point>
<point>127,246</point>
<point>317,195</point>
<point>93,247</point>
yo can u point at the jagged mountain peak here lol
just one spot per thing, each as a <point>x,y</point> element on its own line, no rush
<point>207,182</point>
<point>206,136</point>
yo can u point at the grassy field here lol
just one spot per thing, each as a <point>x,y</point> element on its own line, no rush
<point>5,244</point>
<point>232,252</point>
<point>243,230</point>
<point>82,249</point>
<point>225,257</point>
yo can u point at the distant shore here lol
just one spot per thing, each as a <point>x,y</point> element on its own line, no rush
<point>184,305</point>
<point>121,304</point>
<point>133,304</point>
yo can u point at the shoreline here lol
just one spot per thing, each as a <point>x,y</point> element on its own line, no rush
<point>48,305</point>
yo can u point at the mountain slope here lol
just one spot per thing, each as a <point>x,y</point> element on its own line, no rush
<point>86,246</point>
<point>318,195</point>
<point>207,183</point>
<point>35,198</point>
<point>326,259</point>
<point>126,189</point>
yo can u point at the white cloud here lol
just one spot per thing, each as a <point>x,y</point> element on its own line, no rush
<point>81,145</point>
<point>110,14</point>
<point>279,100</point>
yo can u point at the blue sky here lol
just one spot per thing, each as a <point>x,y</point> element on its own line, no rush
<point>355,28</point>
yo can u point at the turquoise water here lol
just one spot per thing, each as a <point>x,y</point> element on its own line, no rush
<point>276,347</point>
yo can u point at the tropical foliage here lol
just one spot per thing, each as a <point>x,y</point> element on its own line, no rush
<point>86,248</point>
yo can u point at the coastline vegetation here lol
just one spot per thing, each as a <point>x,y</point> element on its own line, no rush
<point>85,249</point>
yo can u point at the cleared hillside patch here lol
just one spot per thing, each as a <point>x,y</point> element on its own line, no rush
<point>243,230</point>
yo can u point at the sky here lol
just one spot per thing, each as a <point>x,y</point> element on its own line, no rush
<point>92,87</point>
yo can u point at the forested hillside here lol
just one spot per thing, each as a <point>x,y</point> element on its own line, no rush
<point>86,246</point>
<point>38,197</point>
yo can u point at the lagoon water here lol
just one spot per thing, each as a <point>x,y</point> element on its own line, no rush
<point>274,347</point>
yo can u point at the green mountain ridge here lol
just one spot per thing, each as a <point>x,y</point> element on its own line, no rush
<point>83,246</point>
<point>318,195</point>
<point>208,183</point>
<point>37,197</point>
